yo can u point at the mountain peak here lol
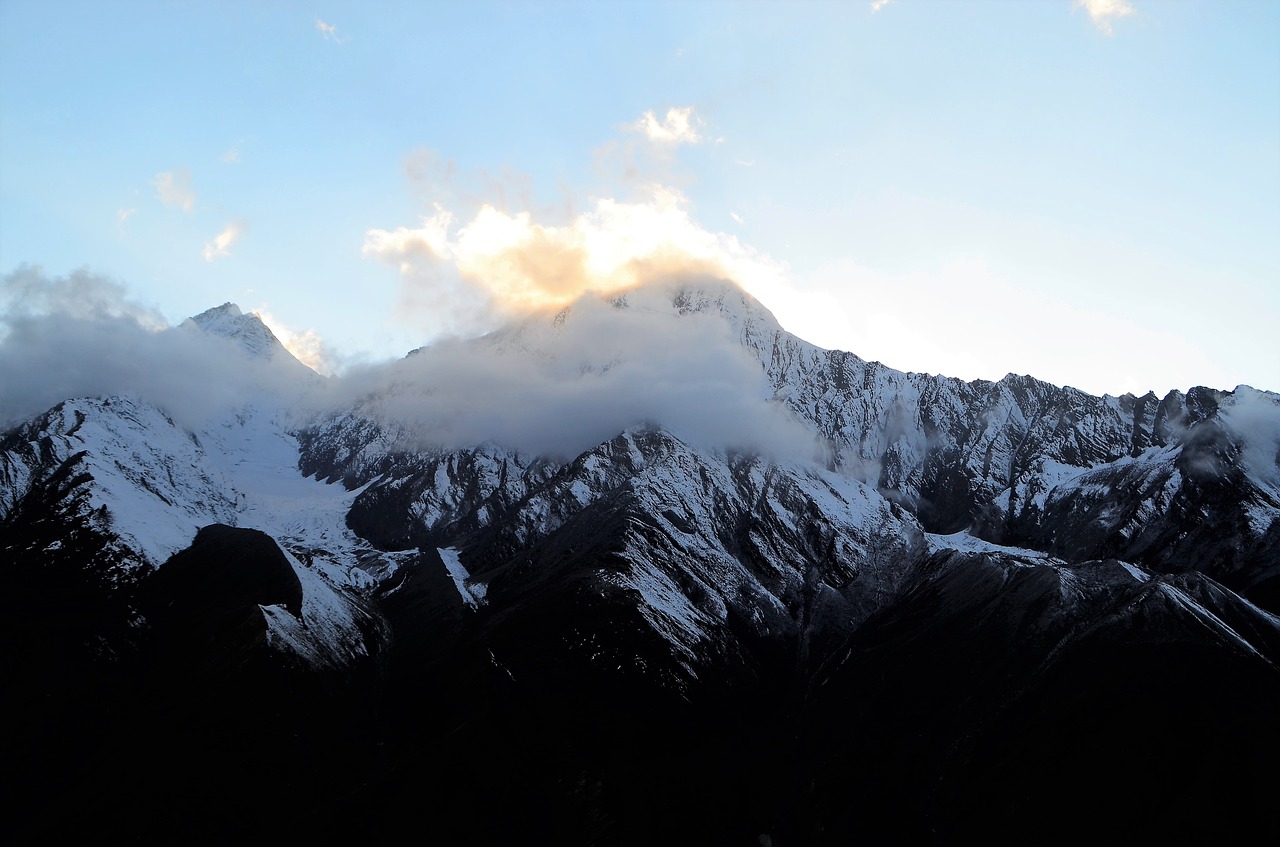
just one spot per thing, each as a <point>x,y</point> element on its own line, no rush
<point>228,309</point>
<point>248,331</point>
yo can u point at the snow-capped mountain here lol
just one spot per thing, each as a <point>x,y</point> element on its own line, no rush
<point>650,569</point>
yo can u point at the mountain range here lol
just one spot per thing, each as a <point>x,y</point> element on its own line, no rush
<point>650,569</point>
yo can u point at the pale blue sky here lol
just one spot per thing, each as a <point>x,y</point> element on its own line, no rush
<point>954,187</point>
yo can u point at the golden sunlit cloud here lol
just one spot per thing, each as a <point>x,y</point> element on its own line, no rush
<point>173,188</point>
<point>220,247</point>
<point>680,126</point>
<point>522,265</point>
<point>1103,12</point>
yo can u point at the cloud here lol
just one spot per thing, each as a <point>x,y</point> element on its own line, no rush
<point>680,126</point>
<point>1103,12</point>
<point>499,264</point>
<point>877,5</point>
<point>430,240</point>
<point>81,336</point>
<point>232,156</point>
<point>220,247</point>
<point>549,385</point>
<point>434,298</point>
<point>123,214</point>
<point>81,295</point>
<point>1254,417</point>
<point>173,188</point>
<point>559,385</point>
<point>577,369</point>
<point>330,32</point>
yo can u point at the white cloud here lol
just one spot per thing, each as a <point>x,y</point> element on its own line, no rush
<point>123,214</point>
<point>510,264</point>
<point>173,188</point>
<point>232,156</point>
<point>330,32</point>
<point>1103,12</point>
<point>220,247</point>
<point>562,386</point>
<point>81,336</point>
<point>430,241</point>
<point>680,126</point>
<point>81,295</point>
<point>877,5</point>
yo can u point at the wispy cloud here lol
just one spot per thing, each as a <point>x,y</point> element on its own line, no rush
<point>330,32</point>
<point>877,5</point>
<point>1104,12</point>
<point>220,246</point>
<point>173,188</point>
<point>232,156</point>
<point>123,214</point>
<point>680,126</point>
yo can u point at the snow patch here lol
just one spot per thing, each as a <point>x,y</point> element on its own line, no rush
<point>1135,572</point>
<point>328,634</point>
<point>967,543</point>
<point>473,593</point>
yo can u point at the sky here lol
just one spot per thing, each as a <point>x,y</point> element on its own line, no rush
<point>1088,192</point>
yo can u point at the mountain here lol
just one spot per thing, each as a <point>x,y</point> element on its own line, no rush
<point>648,569</point>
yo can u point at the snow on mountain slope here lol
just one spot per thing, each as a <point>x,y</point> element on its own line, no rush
<point>714,551</point>
<point>330,631</point>
<point>966,543</point>
<point>1017,462</point>
<point>993,457</point>
<point>150,484</point>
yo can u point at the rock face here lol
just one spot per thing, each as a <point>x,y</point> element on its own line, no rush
<point>982,603</point>
<point>205,603</point>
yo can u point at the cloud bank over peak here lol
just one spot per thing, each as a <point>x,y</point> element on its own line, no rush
<point>499,265</point>
<point>550,384</point>
<point>559,385</point>
<point>81,336</point>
